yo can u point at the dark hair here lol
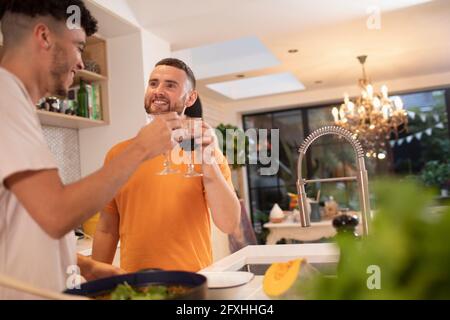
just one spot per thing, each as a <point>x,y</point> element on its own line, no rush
<point>196,110</point>
<point>176,63</point>
<point>54,8</point>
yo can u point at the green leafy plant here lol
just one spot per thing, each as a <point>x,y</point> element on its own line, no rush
<point>127,292</point>
<point>436,174</point>
<point>261,233</point>
<point>408,245</point>
<point>239,147</point>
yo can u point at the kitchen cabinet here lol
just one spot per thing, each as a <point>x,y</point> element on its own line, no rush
<point>95,51</point>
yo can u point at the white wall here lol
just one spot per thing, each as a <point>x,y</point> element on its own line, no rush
<point>120,8</point>
<point>154,49</point>
<point>215,113</point>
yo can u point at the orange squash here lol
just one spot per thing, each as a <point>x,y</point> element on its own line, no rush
<point>281,277</point>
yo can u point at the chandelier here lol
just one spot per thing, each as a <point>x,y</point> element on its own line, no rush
<point>372,117</point>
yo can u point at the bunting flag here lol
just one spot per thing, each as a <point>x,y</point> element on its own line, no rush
<point>423,116</point>
<point>418,135</point>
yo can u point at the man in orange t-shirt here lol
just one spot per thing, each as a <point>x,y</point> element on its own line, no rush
<point>164,221</point>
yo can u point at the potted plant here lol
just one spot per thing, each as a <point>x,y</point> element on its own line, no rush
<point>238,148</point>
<point>240,152</point>
<point>437,174</point>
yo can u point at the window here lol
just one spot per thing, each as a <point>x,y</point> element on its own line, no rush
<point>427,137</point>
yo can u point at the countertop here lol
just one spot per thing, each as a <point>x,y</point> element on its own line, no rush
<point>266,254</point>
<point>262,254</point>
<point>84,247</point>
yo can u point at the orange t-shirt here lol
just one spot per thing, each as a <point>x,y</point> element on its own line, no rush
<point>164,220</point>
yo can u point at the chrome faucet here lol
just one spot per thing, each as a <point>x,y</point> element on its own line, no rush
<point>361,178</point>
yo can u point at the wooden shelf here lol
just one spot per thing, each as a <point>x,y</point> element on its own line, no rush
<point>89,77</point>
<point>60,120</point>
<point>95,50</point>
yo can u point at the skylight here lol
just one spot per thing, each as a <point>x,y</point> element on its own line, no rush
<point>224,58</point>
<point>258,86</point>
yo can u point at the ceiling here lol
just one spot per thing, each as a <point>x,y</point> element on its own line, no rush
<point>328,34</point>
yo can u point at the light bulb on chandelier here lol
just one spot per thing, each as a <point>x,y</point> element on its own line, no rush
<point>373,118</point>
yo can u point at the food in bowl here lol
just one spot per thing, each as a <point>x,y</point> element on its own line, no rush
<point>177,285</point>
<point>151,292</point>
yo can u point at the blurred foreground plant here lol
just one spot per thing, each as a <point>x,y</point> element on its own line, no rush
<point>406,255</point>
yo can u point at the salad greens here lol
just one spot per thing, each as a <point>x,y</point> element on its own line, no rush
<point>127,292</point>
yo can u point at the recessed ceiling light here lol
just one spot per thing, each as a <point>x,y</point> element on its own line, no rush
<point>293,51</point>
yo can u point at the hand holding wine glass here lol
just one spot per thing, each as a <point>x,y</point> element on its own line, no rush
<point>155,116</point>
<point>209,143</point>
<point>156,137</point>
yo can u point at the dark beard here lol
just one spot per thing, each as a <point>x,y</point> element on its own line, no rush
<point>173,108</point>
<point>177,107</point>
<point>147,109</point>
<point>58,70</point>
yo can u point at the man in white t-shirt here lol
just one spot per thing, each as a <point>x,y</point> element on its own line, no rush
<point>42,53</point>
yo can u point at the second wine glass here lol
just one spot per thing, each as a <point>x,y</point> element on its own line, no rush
<point>193,129</point>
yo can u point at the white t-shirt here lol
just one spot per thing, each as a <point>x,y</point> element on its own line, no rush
<point>27,253</point>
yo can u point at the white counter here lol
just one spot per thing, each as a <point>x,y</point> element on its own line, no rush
<point>314,253</point>
<point>266,254</point>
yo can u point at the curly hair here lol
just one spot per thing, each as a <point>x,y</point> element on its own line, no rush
<point>54,8</point>
<point>176,63</point>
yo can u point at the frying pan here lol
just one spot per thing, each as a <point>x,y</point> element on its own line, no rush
<point>196,282</point>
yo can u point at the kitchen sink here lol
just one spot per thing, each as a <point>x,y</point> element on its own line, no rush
<point>257,259</point>
<point>327,269</point>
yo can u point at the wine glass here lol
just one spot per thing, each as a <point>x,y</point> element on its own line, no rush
<point>168,170</point>
<point>191,127</point>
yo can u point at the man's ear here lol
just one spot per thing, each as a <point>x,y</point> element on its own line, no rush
<point>43,36</point>
<point>192,98</point>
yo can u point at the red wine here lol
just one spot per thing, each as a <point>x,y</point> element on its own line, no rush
<point>189,145</point>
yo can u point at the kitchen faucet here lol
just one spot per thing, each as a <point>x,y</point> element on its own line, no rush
<point>361,178</point>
